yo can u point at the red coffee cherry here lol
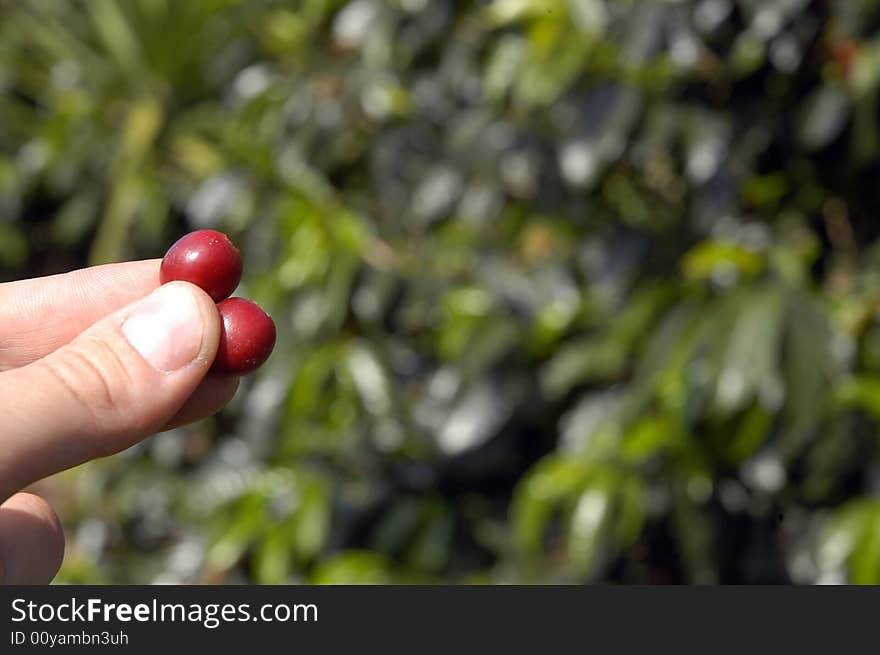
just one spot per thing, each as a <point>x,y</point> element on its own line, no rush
<point>206,258</point>
<point>247,337</point>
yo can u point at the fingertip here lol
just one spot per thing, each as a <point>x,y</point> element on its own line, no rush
<point>210,319</point>
<point>211,396</point>
<point>174,327</point>
<point>31,540</point>
<point>47,522</point>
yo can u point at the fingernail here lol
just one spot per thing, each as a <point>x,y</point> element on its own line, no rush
<point>166,328</point>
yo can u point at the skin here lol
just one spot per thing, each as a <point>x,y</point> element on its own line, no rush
<point>90,394</point>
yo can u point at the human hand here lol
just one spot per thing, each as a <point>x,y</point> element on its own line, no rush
<point>91,362</point>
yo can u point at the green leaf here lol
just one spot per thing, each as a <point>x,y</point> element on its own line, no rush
<point>711,258</point>
<point>649,437</point>
<point>852,537</point>
<point>750,359</point>
<point>353,568</point>
<point>537,496</point>
<point>312,520</point>
<point>272,556</point>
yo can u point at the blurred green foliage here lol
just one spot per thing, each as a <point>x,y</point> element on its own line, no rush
<point>567,290</point>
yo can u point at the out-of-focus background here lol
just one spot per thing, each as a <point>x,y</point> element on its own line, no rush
<point>567,290</point>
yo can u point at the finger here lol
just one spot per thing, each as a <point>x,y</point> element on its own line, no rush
<point>31,541</point>
<point>119,381</point>
<point>40,315</point>
<point>212,395</point>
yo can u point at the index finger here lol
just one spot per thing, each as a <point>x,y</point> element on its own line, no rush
<point>39,315</point>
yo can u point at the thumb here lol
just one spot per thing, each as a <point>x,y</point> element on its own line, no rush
<point>116,383</point>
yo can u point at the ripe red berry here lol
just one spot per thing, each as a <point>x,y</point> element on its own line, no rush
<point>246,338</point>
<point>206,258</point>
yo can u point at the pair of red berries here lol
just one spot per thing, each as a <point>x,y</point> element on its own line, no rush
<point>209,260</point>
